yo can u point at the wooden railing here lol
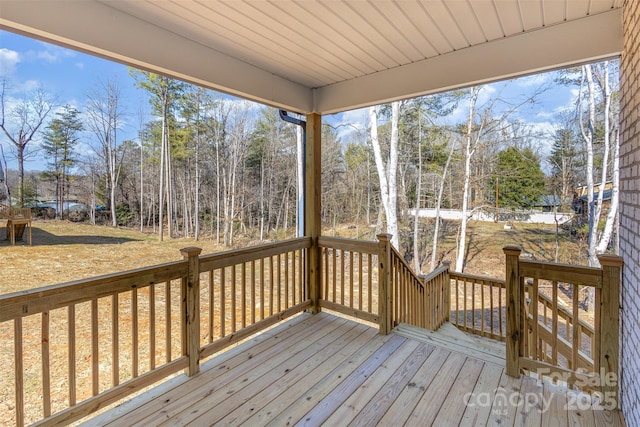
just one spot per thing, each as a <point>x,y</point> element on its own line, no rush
<point>79,346</point>
<point>478,305</point>
<point>371,281</point>
<point>550,334</point>
<point>259,286</point>
<point>9,212</point>
<point>419,300</point>
<point>350,277</point>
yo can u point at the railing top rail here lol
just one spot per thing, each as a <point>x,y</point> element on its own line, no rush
<point>396,254</point>
<point>579,275</point>
<point>476,278</point>
<point>362,246</point>
<point>234,257</point>
<point>438,271</point>
<point>25,303</point>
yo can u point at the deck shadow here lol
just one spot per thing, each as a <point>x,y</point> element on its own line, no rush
<point>41,237</point>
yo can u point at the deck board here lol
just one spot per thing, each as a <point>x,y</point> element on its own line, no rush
<point>326,370</point>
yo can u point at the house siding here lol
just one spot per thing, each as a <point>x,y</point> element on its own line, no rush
<point>630,213</point>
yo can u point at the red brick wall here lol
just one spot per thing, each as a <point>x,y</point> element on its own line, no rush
<point>630,213</point>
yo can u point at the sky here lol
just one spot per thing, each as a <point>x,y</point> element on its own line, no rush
<point>27,63</point>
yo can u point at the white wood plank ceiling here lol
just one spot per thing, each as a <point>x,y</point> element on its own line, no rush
<point>329,55</point>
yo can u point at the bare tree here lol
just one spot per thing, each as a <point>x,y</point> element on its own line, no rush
<point>436,227</point>
<point>471,137</point>
<point>104,119</point>
<point>21,122</point>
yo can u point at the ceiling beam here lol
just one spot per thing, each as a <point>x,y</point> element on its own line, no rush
<point>98,29</point>
<point>588,39</point>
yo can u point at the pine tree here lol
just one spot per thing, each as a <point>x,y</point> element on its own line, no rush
<point>60,139</point>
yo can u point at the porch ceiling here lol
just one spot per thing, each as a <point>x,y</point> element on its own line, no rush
<point>328,56</point>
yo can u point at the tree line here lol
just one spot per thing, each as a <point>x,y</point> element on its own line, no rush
<point>210,165</point>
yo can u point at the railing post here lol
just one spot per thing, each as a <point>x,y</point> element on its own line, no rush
<point>609,328</point>
<point>514,328</point>
<point>313,206</point>
<point>384,282</point>
<point>447,291</point>
<point>191,309</point>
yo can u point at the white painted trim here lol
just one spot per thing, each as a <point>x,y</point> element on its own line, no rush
<point>583,40</point>
<point>116,36</point>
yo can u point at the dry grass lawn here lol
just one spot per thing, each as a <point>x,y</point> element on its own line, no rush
<point>64,251</point>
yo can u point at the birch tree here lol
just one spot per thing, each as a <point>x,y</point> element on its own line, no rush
<point>387,169</point>
<point>471,139</point>
<point>599,92</point>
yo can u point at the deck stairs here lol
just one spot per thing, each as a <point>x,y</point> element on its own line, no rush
<point>453,339</point>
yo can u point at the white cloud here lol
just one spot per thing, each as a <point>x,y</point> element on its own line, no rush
<point>534,80</point>
<point>9,59</point>
<point>47,56</point>
<point>350,123</point>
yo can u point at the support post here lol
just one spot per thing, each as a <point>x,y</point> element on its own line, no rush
<point>610,329</point>
<point>514,328</point>
<point>191,309</point>
<point>447,290</point>
<point>385,302</point>
<point>312,208</point>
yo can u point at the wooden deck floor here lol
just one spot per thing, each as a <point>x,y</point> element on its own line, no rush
<point>326,370</point>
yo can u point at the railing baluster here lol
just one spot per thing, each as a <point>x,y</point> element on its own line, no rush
<point>370,282</point>
<point>294,282</point>
<point>18,353</point>
<point>271,287</point>
<point>287,303</point>
<point>253,291</point>
<point>482,324</point>
<point>72,353</point>
<point>491,308</point>
<point>152,327</point>
<point>223,302</point>
<point>134,332</point>
<point>95,352</point>
<point>554,323</point>
<point>115,341</point>
<point>575,339</point>
<point>301,283</point>
<point>360,268</point>
<point>46,372</point>
<point>234,297</point>
<point>211,307</point>
<point>342,256</point>
<point>278,282</point>
<point>261,288</point>
<point>243,278</point>
<point>534,323</point>
<point>465,304</point>
<point>167,320</point>
<point>350,278</point>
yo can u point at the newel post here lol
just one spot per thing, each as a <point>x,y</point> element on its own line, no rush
<point>514,328</point>
<point>384,282</point>
<point>610,327</point>
<point>191,309</point>
<point>447,290</point>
